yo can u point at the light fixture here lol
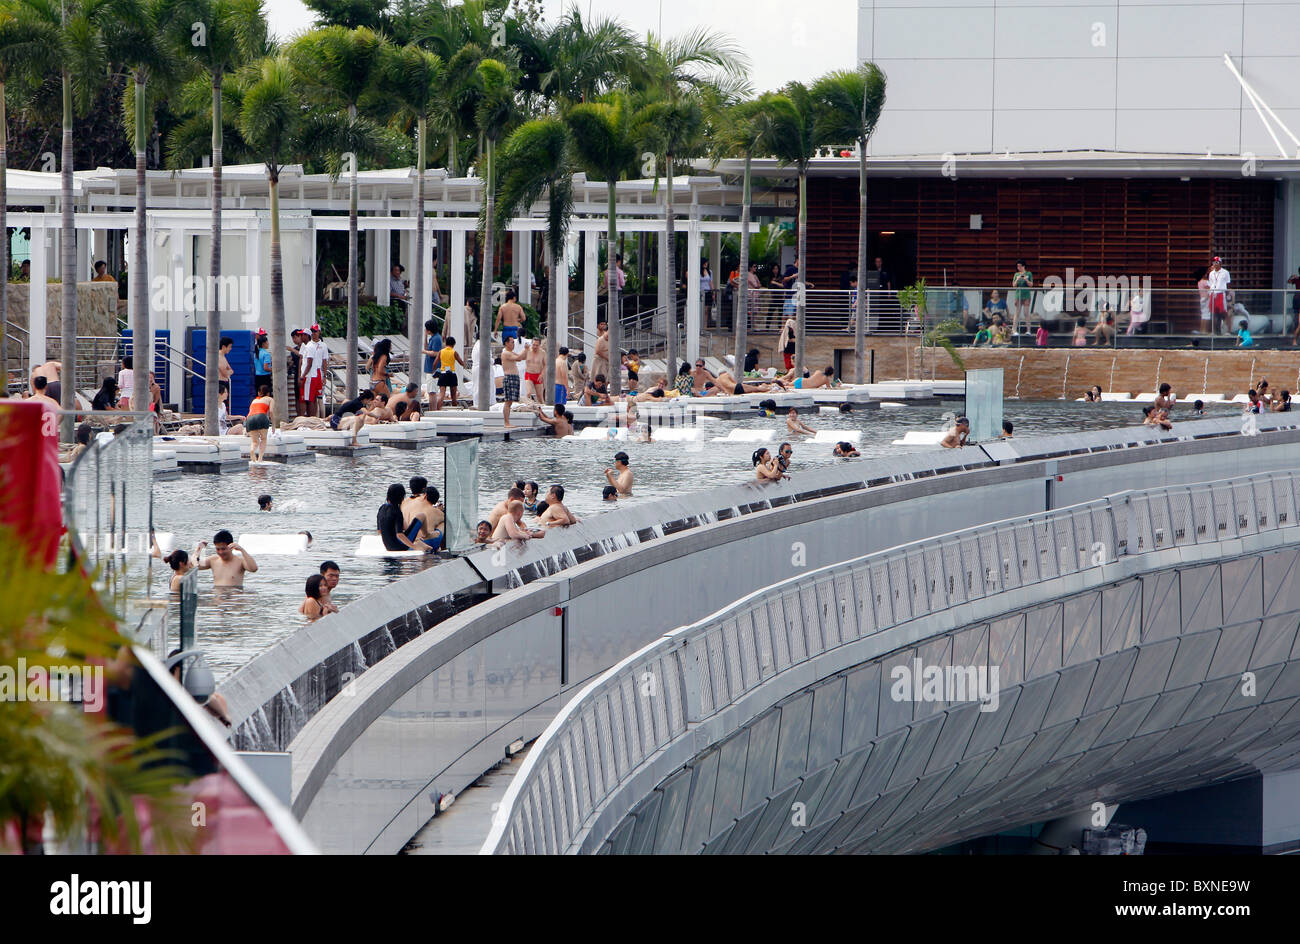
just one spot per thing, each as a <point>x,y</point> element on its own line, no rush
<point>976,221</point>
<point>886,232</point>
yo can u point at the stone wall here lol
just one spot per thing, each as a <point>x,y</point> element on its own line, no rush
<point>96,308</point>
<point>1037,374</point>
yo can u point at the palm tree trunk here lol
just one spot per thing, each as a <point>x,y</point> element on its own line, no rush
<point>4,250</point>
<point>860,322</point>
<point>670,244</point>
<point>552,345</point>
<point>801,286</point>
<point>415,308</point>
<point>142,333</point>
<point>615,317</point>
<point>353,317</point>
<point>483,353</point>
<point>68,272</point>
<point>742,288</point>
<point>211,378</point>
<point>279,352</point>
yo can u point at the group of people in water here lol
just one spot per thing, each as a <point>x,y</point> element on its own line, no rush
<point>1259,399</point>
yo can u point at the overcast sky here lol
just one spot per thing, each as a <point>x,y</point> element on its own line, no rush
<point>784,40</point>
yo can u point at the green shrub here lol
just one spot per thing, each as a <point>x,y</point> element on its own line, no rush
<point>372,320</point>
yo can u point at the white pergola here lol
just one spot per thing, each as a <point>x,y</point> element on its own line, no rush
<point>179,225</point>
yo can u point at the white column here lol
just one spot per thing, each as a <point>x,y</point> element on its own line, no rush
<point>37,311</point>
<point>668,314</point>
<point>253,256</point>
<point>312,275</point>
<point>693,246</point>
<point>166,313</point>
<point>590,278</point>
<point>560,287</point>
<point>425,301</point>
<point>379,243</point>
<point>524,265</point>
<point>719,280</point>
<point>456,308</point>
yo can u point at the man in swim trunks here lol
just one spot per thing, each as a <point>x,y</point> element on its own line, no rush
<point>227,569</point>
<point>330,572</point>
<point>562,377</point>
<point>510,317</point>
<point>50,371</point>
<point>41,386</point>
<point>956,437</point>
<point>534,364</point>
<point>510,359</point>
<point>389,524</point>
<point>409,396</point>
<point>423,517</point>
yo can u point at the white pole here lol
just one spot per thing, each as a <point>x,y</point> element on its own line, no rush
<point>590,274</point>
<point>456,308</point>
<point>693,248</point>
<point>38,310</point>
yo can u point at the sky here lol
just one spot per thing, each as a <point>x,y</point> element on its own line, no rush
<point>784,40</point>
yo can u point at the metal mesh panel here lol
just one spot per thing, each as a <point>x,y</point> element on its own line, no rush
<point>1225,521</point>
<point>1029,555</point>
<point>866,601</point>
<point>1243,501</point>
<point>749,674</point>
<point>936,581</point>
<point>793,623</point>
<point>717,666</point>
<point>763,640</point>
<point>972,571</point>
<point>1182,516</point>
<point>675,700</point>
<point>604,734</point>
<point>1009,557</point>
<point>781,659</point>
<point>589,750</point>
<point>990,562</point>
<point>900,589</point>
<point>659,705</point>
<point>882,595</point>
<point>955,573</point>
<point>622,760</point>
<point>810,610</point>
<point>847,606</point>
<point>731,646</point>
<point>631,723</point>
<point>828,612</point>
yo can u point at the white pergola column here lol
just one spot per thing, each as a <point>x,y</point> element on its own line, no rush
<point>668,314</point>
<point>37,311</point>
<point>405,255</point>
<point>693,246</point>
<point>590,278</point>
<point>425,301</point>
<point>379,250</point>
<point>174,318</point>
<point>715,264</point>
<point>456,308</point>
<point>253,256</point>
<point>524,265</point>
<point>560,289</point>
<point>312,275</point>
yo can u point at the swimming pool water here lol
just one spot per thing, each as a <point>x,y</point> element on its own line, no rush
<point>335,498</point>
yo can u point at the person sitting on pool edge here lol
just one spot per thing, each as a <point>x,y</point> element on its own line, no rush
<point>956,437</point>
<point>356,408</point>
<point>388,522</point>
<point>621,475</point>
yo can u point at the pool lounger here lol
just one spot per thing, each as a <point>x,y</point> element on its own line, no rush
<point>204,453</point>
<point>837,395</point>
<point>274,544</point>
<point>591,414</point>
<point>900,390</point>
<point>920,438</point>
<point>832,436</point>
<point>612,433</point>
<point>281,446</point>
<point>678,434</point>
<point>404,434</point>
<point>372,545</point>
<point>747,436</point>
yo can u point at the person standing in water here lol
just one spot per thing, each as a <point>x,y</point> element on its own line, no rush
<point>227,569</point>
<point>259,422</point>
<point>621,475</point>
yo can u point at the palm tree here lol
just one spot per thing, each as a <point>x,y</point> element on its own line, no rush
<point>742,129</point>
<point>233,33</point>
<point>138,33</point>
<point>671,77</point>
<point>791,138</point>
<point>27,46</point>
<point>604,142</point>
<point>415,79</point>
<point>848,104</point>
<point>535,161</point>
<point>82,64</point>
<point>339,65</point>
<point>278,130</point>
<point>579,60</point>
<point>493,113</point>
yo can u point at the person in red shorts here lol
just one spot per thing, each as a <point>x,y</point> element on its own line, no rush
<point>315,360</point>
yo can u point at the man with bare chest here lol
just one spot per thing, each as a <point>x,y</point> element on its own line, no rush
<point>227,569</point>
<point>534,364</point>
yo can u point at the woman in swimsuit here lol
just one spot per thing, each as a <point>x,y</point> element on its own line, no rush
<point>259,422</point>
<point>180,563</point>
<point>379,358</point>
<point>311,606</point>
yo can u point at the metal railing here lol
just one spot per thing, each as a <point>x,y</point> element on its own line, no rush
<point>613,729</point>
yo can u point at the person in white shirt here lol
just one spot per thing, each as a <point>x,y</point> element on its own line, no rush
<point>315,358</point>
<point>1220,284</point>
<point>125,384</point>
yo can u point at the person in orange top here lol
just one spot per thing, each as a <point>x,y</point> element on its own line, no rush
<point>258,422</point>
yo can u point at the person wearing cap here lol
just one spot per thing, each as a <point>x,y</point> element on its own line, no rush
<point>315,360</point>
<point>1220,285</point>
<point>956,437</point>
